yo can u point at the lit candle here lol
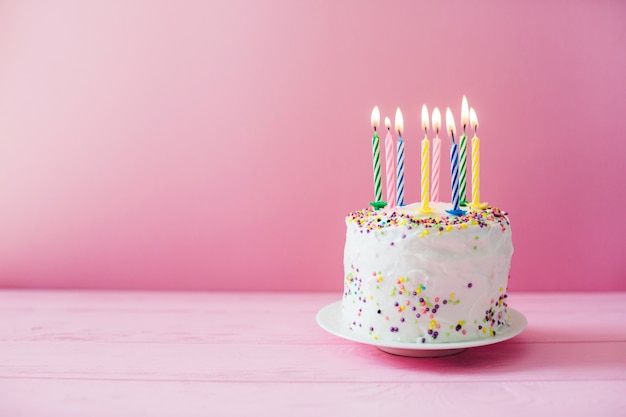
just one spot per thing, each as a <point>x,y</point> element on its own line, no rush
<point>378,193</point>
<point>463,154</point>
<point>454,165</point>
<point>436,154</point>
<point>400,167</point>
<point>425,163</point>
<point>390,158</point>
<point>476,204</point>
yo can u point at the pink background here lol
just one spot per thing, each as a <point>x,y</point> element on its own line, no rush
<point>219,144</point>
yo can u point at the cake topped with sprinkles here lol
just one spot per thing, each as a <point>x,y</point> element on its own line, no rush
<point>426,278</point>
<point>370,219</point>
<point>427,272</point>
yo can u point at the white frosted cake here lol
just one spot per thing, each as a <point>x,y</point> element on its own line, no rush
<point>435,278</point>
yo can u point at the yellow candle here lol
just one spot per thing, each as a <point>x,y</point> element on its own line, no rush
<point>425,163</point>
<point>476,204</point>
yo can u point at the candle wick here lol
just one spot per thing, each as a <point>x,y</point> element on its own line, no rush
<point>452,134</point>
<point>374,128</point>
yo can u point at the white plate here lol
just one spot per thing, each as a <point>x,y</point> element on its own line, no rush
<point>329,319</point>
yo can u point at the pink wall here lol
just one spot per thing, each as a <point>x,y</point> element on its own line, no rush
<point>219,144</point>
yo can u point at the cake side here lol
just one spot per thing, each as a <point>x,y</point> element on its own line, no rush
<point>436,278</point>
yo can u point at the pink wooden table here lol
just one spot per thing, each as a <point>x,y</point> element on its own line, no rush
<point>262,354</point>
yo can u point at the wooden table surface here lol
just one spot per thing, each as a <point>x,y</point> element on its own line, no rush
<point>72,353</point>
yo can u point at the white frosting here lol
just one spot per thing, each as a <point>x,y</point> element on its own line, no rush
<point>438,278</point>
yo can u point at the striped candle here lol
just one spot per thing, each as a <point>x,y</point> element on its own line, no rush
<point>425,162</point>
<point>454,174</point>
<point>463,168</point>
<point>475,160</point>
<point>400,155</point>
<point>400,173</point>
<point>425,173</point>
<point>378,191</point>
<point>454,161</point>
<point>436,155</point>
<point>463,154</point>
<point>390,158</point>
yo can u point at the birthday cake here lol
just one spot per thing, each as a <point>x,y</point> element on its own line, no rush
<point>426,278</point>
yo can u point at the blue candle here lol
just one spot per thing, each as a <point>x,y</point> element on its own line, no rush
<point>454,166</point>
<point>463,154</point>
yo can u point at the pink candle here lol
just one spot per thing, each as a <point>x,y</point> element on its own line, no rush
<point>391,166</point>
<point>400,155</point>
<point>436,155</point>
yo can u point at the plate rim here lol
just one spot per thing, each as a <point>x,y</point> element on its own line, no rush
<point>519,323</point>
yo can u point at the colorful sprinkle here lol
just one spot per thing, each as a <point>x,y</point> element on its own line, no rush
<point>370,219</point>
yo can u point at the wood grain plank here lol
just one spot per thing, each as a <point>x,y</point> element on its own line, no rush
<point>160,354</point>
<point>94,398</point>
<point>251,301</point>
<point>260,318</point>
<point>301,362</point>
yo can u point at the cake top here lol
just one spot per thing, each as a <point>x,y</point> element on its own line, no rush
<point>409,216</point>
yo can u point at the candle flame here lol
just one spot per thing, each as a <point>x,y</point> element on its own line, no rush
<point>436,120</point>
<point>473,119</point>
<point>464,113</point>
<point>424,118</point>
<point>375,117</point>
<point>450,123</point>
<point>387,123</point>
<point>399,121</point>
